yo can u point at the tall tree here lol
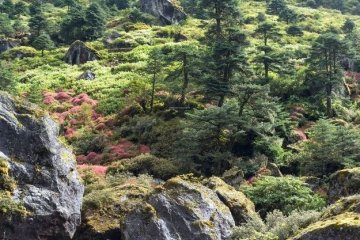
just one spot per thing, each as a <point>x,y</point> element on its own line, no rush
<point>186,57</point>
<point>73,25</point>
<point>95,22</point>
<point>324,64</point>
<point>154,67</point>
<point>38,23</point>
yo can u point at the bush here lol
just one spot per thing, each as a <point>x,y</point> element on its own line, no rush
<point>147,164</point>
<point>276,225</point>
<point>284,193</point>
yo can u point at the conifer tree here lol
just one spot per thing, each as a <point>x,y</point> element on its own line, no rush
<point>43,42</point>
<point>95,22</point>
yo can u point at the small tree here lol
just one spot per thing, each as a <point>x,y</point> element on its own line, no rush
<point>38,23</point>
<point>284,193</point>
<point>5,25</point>
<point>349,26</point>
<point>43,42</point>
<point>6,77</point>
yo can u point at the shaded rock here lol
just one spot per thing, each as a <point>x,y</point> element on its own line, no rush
<point>6,44</point>
<point>234,177</point>
<point>181,209</point>
<point>87,75</point>
<point>242,208</point>
<point>44,172</point>
<point>344,183</point>
<point>111,38</point>
<point>166,10</point>
<point>79,53</point>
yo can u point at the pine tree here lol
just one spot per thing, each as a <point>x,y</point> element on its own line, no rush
<point>95,22</point>
<point>186,56</point>
<point>7,7</point>
<point>275,7</point>
<point>43,42</point>
<point>5,25</point>
<point>37,24</point>
<point>349,26</point>
<point>73,25</point>
<point>324,64</point>
<point>154,67</point>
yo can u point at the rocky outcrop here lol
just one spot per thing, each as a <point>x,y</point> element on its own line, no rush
<point>242,209</point>
<point>166,10</point>
<point>187,208</point>
<point>87,75</point>
<point>340,221</point>
<point>6,44</point>
<point>344,183</point>
<point>79,53</point>
<point>44,174</point>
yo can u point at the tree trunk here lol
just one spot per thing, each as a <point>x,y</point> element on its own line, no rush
<point>329,100</point>
<point>186,80</point>
<point>152,93</point>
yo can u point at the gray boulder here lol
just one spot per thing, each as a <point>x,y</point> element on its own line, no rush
<point>44,173</point>
<point>6,44</point>
<point>180,209</point>
<point>165,10</point>
<point>79,53</point>
<point>87,75</point>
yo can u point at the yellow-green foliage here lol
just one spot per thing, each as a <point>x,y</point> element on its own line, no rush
<point>146,163</point>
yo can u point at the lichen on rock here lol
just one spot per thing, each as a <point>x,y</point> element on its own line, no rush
<point>44,185</point>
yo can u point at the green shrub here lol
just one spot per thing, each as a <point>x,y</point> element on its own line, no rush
<point>284,193</point>
<point>19,52</point>
<point>277,226</point>
<point>147,164</point>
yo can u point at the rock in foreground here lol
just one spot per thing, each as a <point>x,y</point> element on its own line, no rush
<point>184,208</point>
<point>43,174</point>
<point>79,53</point>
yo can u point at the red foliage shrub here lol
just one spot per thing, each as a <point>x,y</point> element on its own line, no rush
<point>98,170</point>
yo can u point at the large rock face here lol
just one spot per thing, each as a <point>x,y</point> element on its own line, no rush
<point>46,181</point>
<point>6,44</point>
<point>340,221</point>
<point>185,209</point>
<point>79,53</point>
<point>166,10</point>
<point>344,183</point>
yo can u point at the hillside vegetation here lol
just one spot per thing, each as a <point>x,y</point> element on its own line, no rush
<point>264,94</point>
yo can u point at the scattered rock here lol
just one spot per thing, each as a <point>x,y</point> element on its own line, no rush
<point>111,38</point>
<point>79,53</point>
<point>44,171</point>
<point>87,75</point>
<point>344,183</point>
<point>181,209</point>
<point>234,177</point>
<point>6,44</point>
<point>166,10</point>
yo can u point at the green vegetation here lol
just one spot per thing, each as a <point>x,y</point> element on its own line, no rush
<point>265,87</point>
<point>285,193</point>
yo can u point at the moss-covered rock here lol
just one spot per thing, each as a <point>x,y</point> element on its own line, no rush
<point>344,183</point>
<point>347,204</point>
<point>242,208</point>
<point>345,226</point>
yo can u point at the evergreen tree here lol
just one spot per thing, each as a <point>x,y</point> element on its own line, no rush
<point>95,22</point>
<point>186,57</point>
<point>5,25</point>
<point>73,25</point>
<point>120,4</point>
<point>37,24</point>
<point>348,26</point>
<point>21,8</point>
<point>324,65</point>
<point>276,7</point>
<point>43,42</point>
<point>7,7</point>
<point>154,67</point>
